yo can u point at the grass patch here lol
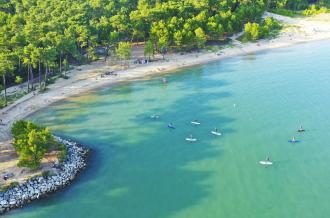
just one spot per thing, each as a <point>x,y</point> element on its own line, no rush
<point>11,98</point>
<point>63,152</point>
<point>46,174</point>
<point>213,48</point>
<point>286,12</point>
<point>9,186</point>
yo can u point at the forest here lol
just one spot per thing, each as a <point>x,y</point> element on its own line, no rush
<point>42,36</point>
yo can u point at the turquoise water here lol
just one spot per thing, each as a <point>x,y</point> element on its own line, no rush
<point>140,169</point>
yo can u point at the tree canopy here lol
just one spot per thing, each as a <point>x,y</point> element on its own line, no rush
<point>41,34</point>
<point>31,142</point>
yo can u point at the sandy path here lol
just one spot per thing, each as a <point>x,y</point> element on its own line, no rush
<point>87,77</point>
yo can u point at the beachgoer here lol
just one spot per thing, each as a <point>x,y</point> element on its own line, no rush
<point>164,80</point>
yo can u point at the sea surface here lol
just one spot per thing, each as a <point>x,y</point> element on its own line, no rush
<point>139,168</point>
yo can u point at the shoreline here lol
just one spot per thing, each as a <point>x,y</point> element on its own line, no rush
<point>87,78</point>
<point>41,186</point>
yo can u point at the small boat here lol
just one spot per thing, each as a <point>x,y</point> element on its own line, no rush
<point>171,126</point>
<point>216,133</point>
<point>195,122</point>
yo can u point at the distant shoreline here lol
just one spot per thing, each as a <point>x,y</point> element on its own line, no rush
<point>88,77</point>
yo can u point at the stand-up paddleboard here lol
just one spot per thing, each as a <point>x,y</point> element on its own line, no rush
<point>195,123</point>
<point>155,116</point>
<point>293,141</point>
<point>301,129</point>
<point>191,139</point>
<point>171,126</point>
<point>216,133</point>
<point>266,162</point>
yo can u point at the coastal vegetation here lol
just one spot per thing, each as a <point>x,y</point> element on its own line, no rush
<point>254,31</point>
<point>4,188</point>
<point>40,38</point>
<point>294,8</point>
<point>32,142</point>
<point>314,9</point>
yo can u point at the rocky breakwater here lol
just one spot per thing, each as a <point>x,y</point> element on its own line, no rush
<point>39,187</point>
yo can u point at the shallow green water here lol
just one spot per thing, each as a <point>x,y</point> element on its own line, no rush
<point>141,169</point>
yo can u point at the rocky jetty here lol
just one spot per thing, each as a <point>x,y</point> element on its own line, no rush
<point>39,187</point>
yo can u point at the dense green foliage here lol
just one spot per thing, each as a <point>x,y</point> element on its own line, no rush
<point>293,8</point>
<point>314,9</point>
<point>40,34</point>
<point>295,4</point>
<point>39,37</point>
<point>124,50</point>
<point>268,28</point>
<point>31,143</point>
<point>149,49</point>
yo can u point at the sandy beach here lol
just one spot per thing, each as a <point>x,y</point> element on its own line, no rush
<point>88,77</point>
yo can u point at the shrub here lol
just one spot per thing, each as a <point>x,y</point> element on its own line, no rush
<point>313,10</point>
<point>251,31</point>
<point>63,152</point>
<point>254,31</point>
<point>18,80</point>
<point>9,186</point>
<point>31,142</point>
<point>270,27</point>
<point>46,174</point>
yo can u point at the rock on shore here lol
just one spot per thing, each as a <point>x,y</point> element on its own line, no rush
<point>39,187</point>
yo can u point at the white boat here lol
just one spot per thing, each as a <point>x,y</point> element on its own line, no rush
<point>195,123</point>
<point>191,139</point>
<point>216,133</point>
<point>266,162</point>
